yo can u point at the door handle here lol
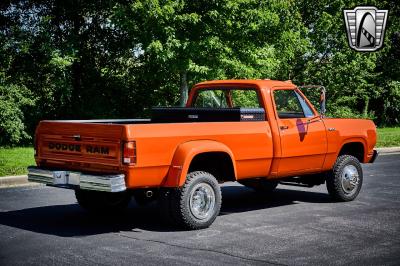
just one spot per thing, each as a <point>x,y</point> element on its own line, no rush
<point>283,127</point>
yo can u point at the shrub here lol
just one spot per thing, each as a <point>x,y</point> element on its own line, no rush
<point>13,100</point>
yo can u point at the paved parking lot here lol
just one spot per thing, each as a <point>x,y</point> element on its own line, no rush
<point>294,226</point>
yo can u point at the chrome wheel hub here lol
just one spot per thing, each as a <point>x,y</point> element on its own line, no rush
<point>202,201</point>
<point>350,179</point>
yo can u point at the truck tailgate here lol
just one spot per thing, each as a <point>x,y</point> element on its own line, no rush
<point>79,145</point>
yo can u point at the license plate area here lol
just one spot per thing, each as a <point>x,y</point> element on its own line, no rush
<point>66,178</point>
<point>60,178</point>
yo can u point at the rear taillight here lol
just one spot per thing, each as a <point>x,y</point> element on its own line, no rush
<point>129,154</point>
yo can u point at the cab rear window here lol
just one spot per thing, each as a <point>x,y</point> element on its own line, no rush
<point>227,98</point>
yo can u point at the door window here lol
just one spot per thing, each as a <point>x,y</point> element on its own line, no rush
<point>304,105</point>
<point>290,104</point>
<point>287,104</point>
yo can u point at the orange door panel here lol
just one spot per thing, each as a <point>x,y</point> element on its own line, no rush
<point>302,133</point>
<point>303,145</point>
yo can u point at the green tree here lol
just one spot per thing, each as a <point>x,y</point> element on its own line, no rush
<point>14,100</point>
<point>117,58</point>
<point>197,40</point>
<point>358,84</point>
<point>75,62</point>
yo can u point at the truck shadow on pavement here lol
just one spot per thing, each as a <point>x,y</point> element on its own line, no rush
<point>71,220</point>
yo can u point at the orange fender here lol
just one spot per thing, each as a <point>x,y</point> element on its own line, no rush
<point>184,155</point>
<point>361,140</point>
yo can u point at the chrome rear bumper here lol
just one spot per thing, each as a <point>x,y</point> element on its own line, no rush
<point>69,179</point>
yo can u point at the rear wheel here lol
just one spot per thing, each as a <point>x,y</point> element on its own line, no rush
<point>196,204</point>
<point>345,180</point>
<point>99,201</point>
<point>260,185</point>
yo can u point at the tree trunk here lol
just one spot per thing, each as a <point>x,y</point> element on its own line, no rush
<point>183,88</point>
<point>365,111</point>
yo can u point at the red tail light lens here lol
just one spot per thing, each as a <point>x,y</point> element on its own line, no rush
<point>129,155</point>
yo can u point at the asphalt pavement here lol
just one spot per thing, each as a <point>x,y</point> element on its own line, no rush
<point>293,226</point>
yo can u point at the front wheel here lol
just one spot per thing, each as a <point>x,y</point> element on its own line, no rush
<point>196,204</point>
<point>344,181</point>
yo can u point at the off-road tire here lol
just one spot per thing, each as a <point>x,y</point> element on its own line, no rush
<point>175,203</point>
<point>260,185</point>
<point>99,202</point>
<point>334,178</point>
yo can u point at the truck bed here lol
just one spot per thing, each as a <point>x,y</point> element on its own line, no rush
<point>96,145</point>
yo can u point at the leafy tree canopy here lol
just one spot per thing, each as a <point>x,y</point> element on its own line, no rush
<point>117,58</point>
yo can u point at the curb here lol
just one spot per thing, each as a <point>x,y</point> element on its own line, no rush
<point>388,150</point>
<point>16,181</point>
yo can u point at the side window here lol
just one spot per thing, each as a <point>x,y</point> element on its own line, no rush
<point>211,99</point>
<point>288,104</point>
<point>245,98</point>
<point>306,108</point>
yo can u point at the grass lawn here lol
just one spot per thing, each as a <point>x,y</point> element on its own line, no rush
<point>14,161</point>
<point>388,137</point>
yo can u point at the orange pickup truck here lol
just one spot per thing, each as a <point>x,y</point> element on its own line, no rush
<point>256,132</point>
